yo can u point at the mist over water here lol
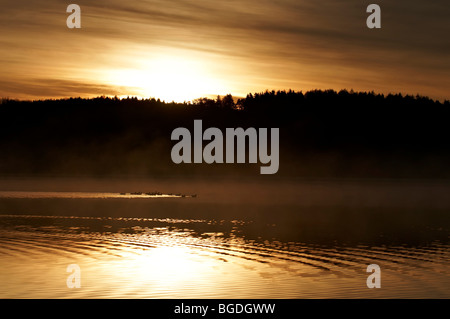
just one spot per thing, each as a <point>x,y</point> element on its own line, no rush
<point>237,239</point>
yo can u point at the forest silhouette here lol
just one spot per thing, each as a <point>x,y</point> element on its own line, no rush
<point>323,134</point>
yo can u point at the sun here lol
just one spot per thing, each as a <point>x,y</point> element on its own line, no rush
<point>169,78</point>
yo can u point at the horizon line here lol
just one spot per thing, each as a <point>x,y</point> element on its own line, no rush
<point>215,96</point>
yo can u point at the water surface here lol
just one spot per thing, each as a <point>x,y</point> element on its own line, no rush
<point>177,247</point>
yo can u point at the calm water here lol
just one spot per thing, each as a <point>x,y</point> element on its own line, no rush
<point>217,246</point>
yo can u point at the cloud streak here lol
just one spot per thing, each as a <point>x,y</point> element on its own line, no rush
<point>258,45</point>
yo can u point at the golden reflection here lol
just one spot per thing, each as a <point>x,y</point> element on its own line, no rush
<point>169,266</point>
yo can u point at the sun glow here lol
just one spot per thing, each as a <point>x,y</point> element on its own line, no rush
<point>170,266</point>
<point>172,78</point>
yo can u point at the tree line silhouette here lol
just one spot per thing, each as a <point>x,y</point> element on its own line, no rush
<point>322,134</point>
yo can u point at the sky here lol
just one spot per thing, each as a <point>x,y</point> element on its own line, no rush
<point>185,49</point>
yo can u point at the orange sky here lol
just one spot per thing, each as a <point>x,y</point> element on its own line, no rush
<point>183,49</point>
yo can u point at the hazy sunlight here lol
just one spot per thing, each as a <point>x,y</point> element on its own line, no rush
<point>169,78</point>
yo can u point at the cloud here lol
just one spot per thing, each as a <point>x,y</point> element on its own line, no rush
<point>266,44</point>
<point>43,88</point>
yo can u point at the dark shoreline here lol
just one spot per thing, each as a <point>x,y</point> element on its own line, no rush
<point>323,135</point>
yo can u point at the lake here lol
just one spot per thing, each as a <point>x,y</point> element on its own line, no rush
<point>224,238</point>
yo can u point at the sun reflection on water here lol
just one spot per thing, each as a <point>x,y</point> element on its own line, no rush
<point>176,258</point>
